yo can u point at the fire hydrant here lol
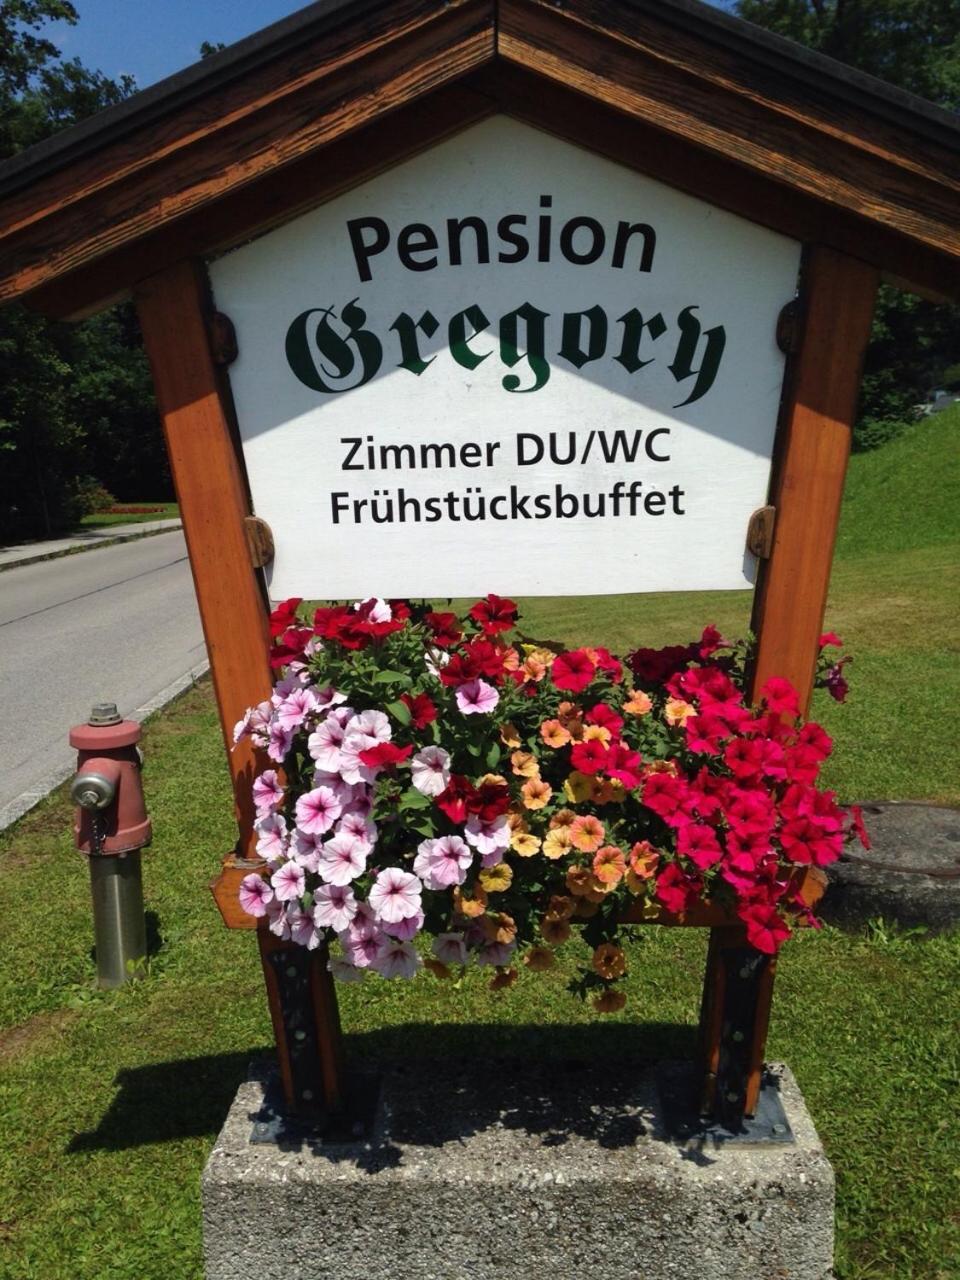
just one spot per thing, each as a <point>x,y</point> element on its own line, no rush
<point>111,828</point>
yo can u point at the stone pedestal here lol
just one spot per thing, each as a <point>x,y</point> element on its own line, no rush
<point>557,1172</point>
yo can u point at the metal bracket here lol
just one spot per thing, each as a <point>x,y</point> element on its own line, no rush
<point>788,328</point>
<point>274,1125</point>
<point>223,339</point>
<point>259,541</point>
<point>678,1095</point>
<point>760,532</point>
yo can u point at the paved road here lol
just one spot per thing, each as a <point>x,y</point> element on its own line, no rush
<point>119,624</point>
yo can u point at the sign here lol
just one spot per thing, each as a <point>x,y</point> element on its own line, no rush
<point>511,365</point>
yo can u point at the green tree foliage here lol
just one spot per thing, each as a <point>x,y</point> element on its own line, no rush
<point>914,44</point>
<point>76,404</point>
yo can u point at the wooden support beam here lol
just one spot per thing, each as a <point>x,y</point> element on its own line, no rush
<point>211,490</point>
<point>820,404</point>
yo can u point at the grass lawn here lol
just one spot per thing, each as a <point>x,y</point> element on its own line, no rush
<point>111,1101</point>
<point>105,519</point>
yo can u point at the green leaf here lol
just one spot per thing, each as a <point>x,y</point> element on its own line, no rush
<point>400,711</point>
<point>493,756</point>
<point>414,799</point>
<point>392,677</point>
<point>475,749</point>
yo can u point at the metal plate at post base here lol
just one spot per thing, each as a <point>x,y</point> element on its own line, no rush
<point>679,1094</point>
<point>273,1124</point>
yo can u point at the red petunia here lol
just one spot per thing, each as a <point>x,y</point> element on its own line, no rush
<point>624,765</point>
<point>676,890</point>
<point>494,614</point>
<point>453,800</point>
<point>444,631</point>
<point>589,757</point>
<point>780,696</point>
<point>384,754</point>
<point>573,671</point>
<point>421,708</point>
<point>284,615</point>
<point>830,639</point>
<point>699,843</point>
<point>856,825</point>
<point>606,717</point>
<point>766,928</point>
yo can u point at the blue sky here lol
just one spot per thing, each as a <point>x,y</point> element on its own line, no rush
<point>150,39</point>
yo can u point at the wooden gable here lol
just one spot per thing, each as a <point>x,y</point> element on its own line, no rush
<point>339,91</point>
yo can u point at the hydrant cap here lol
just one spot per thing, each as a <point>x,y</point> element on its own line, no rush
<point>106,737</point>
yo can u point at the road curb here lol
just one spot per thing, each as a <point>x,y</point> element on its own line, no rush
<point>87,546</point>
<point>26,800</point>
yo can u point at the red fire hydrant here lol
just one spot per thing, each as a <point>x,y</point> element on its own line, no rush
<point>111,828</point>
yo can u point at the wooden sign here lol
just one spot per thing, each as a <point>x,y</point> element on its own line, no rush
<point>508,364</point>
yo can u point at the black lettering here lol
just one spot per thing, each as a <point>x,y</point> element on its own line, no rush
<point>416,238</point>
<point>455,228</point>
<point>406,329</point>
<point>682,365</point>
<point>570,229</point>
<point>340,351</point>
<point>347,464</point>
<point>624,232</point>
<point>521,246</point>
<point>364,250</point>
<point>633,327</point>
<point>572,346</point>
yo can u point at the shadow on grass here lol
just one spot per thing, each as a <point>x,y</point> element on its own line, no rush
<point>522,1077</point>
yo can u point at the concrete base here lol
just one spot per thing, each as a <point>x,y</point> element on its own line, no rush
<point>557,1172</point>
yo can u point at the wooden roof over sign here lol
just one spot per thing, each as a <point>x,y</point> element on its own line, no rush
<point>344,88</point>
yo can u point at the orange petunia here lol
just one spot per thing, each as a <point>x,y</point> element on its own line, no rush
<point>539,959</point>
<point>554,734</point>
<point>536,793</point>
<point>563,818</point>
<point>677,711</point>
<point>597,733</point>
<point>470,902</point>
<point>503,978</point>
<point>509,735</point>
<point>499,927</point>
<point>557,844</point>
<point>638,704</point>
<point>609,961</point>
<point>436,967</point>
<point>511,659</point>
<point>525,764</point>
<point>586,833</point>
<point>571,717</point>
<point>644,859</point>
<point>585,909</point>
<point>609,865</point>
<point>554,931</point>
<point>560,907</point>
<point>524,843</point>
<point>578,881</point>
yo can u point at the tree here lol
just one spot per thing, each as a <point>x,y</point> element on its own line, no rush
<point>914,44</point>
<point>75,401</point>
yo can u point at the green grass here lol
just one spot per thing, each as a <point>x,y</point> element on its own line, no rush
<point>111,1101</point>
<point>104,520</point>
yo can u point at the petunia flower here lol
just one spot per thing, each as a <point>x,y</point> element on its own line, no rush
<point>476,697</point>
<point>255,894</point>
<point>443,862</point>
<point>395,895</point>
<point>334,906</point>
<point>396,959</point>
<point>342,859</point>
<point>318,810</point>
<point>430,771</point>
<point>288,882</point>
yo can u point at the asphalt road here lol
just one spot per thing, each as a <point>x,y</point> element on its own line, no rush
<point>117,624</point>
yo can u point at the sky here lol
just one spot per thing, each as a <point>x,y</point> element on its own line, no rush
<point>151,39</point>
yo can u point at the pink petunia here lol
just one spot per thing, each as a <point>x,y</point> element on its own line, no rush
<point>342,859</point>
<point>343,971</point>
<point>476,697</point>
<point>396,959</point>
<point>302,929</point>
<point>395,895</point>
<point>267,792</point>
<point>450,948</point>
<point>272,839</point>
<point>404,929</point>
<point>255,895</point>
<point>288,882</point>
<point>324,744</point>
<point>293,712</point>
<point>279,742</point>
<point>334,906</point>
<point>443,862</point>
<point>430,770</point>
<point>488,838</point>
<point>318,810</point>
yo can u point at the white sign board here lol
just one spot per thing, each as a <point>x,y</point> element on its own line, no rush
<point>508,365</point>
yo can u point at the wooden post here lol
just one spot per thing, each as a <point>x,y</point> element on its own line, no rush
<point>195,408</point>
<point>820,404</point>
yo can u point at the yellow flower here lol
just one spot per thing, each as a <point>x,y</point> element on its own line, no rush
<point>539,958</point>
<point>578,787</point>
<point>638,704</point>
<point>509,735</point>
<point>516,821</point>
<point>503,978</point>
<point>597,733</point>
<point>618,792</point>
<point>494,779</point>
<point>587,833</point>
<point>554,734</point>
<point>497,879</point>
<point>554,931</point>
<point>470,902</point>
<point>536,793</point>
<point>609,961</point>
<point>634,883</point>
<point>662,766</point>
<point>677,711</point>
<point>525,843</point>
<point>525,764</point>
<point>558,843</point>
<point>609,1001</point>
